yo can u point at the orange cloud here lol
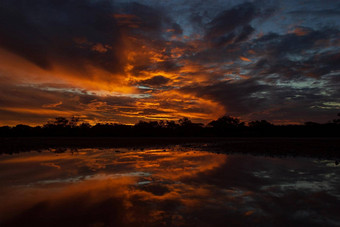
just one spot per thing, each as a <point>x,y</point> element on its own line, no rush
<point>245,59</point>
<point>299,31</point>
<point>52,105</point>
<point>100,48</point>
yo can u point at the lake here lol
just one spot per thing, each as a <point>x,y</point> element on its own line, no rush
<point>175,186</point>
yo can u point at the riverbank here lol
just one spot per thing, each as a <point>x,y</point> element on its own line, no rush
<point>316,147</point>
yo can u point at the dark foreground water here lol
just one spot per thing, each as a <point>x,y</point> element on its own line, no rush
<point>173,187</point>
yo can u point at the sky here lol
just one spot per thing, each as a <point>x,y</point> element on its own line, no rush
<point>125,61</point>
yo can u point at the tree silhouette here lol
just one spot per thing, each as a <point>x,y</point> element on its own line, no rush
<point>223,126</point>
<point>183,122</point>
<point>337,121</point>
<point>263,124</point>
<point>61,121</point>
<point>226,122</point>
<point>73,122</point>
<point>171,125</point>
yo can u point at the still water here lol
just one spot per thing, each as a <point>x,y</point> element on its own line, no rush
<point>172,187</point>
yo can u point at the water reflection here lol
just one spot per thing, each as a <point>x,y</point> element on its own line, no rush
<point>174,187</point>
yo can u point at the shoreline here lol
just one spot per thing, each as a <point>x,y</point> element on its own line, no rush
<point>320,147</point>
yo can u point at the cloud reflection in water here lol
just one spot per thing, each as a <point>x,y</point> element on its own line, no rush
<point>174,187</point>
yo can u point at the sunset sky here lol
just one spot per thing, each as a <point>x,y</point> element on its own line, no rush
<point>125,61</point>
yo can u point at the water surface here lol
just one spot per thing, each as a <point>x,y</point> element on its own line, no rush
<point>172,187</point>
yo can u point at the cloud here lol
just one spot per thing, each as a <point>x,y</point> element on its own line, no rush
<point>155,81</point>
<point>322,12</point>
<point>245,59</point>
<point>44,33</point>
<point>298,101</point>
<point>85,42</point>
<point>236,97</point>
<point>296,55</point>
<point>229,20</point>
<point>123,61</point>
<point>233,25</point>
<point>53,105</point>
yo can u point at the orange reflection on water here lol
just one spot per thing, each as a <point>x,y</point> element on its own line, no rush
<point>175,186</point>
<point>121,183</point>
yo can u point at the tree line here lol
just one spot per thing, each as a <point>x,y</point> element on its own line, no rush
<point>223,126</point>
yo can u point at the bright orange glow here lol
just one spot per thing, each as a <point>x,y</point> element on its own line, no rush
<point>36,111</point>
<point>169,104</point>
<point>121,187</point>
<point>245,59</point>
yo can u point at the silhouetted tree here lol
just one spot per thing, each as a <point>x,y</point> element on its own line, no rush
<point>226,122</point>
<point>263,124</point>
<point>5,131</point>
<point>61,121</point>
<point>184,122</point>
<point>224,126</point>
<point>147,125</point>
<point>84,125</point>
<point>73,122</point>
<point>311,124</point>
<point>171,125</point>
<point>22,130</point>
<point>187,128</point>
<point>337,121</point>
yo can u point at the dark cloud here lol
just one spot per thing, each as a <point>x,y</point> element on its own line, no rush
<point>145,21</point>
<point>253,99</point>
<point>236,97</point>
<point>155,81</point>
<point>46,33</point>
<point>229,20</point>
<point>77,34</point>
<point>245,33</point>
<point>176,29</point>
<point>323,12</point>
<point>148,19</point>
<point>152,112</point>
<point>296,55</point>
<point>233,25</point>
<point>165,66</point>
<point>279,45</point>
